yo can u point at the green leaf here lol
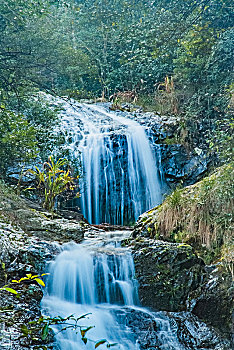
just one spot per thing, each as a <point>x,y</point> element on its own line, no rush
<point>9,290</point>
<point>39,281</point>
<point>103,341</point>
<point>45,331</point>
<point>84,340</point>
<point>23,279</point>
<point>83,316</point>
<point>84,331</point>
<point>24,330</point>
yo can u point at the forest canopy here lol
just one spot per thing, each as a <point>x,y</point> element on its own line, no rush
<point>176,56</point>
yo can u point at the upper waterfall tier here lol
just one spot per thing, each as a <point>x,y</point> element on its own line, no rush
<point>121,177</point>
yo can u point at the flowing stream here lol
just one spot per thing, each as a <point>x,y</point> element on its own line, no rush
<point>97,278</point>
<point>122,174</point>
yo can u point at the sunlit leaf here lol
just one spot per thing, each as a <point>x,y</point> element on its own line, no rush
<point>103,341</point>
<point>39,281</point>
<point>8,289</point>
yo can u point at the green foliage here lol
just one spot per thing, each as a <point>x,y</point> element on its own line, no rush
<point>176,56</point>
<point>222,142</point>
<point>43,328</point>
<point>17,139</point>
<point>44,118</point>
<point>175,198</point>
<point>29,277</point>
<point>54,181</point>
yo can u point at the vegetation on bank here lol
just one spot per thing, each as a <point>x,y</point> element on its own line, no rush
<point>55,183</point>
<point>200,215</point>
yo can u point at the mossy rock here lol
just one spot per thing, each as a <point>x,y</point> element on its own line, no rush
<point>167,273</point>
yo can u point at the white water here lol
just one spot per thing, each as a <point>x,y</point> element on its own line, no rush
<point>121,178</point>
<point>98,278</point>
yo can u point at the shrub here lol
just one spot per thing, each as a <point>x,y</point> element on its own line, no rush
<point>54,181</point>
<point>17,140</point>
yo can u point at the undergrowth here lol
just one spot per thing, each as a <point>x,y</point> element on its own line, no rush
<point>201,215</point>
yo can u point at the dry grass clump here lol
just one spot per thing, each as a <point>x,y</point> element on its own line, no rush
<point>201,214</point>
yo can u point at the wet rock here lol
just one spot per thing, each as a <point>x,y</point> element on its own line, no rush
<point>145,225</point>
<point>21,254</point>
<point>212,302</point>
<point>27,236</point>
<point>192,333</point>
<point>72,215</point>
<point>19,312</point>
<point>179,164</point>
<point>109,227</point>
<point>166,272</point>
<point>34,221</point>
<point>180,330</point>
<point>40,225</point>
<point>91,101</point>
<point>183,166</point>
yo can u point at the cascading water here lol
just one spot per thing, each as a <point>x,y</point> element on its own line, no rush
<point>121,175</point>
<point>98,278</point>
<point>121,180</point>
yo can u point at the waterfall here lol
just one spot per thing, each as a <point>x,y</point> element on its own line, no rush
<point>98,279</point>
<point>94,279</point>
<point>83,281</point>
<point>122,177</point>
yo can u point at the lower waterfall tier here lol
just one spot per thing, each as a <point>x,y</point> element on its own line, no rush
<point>97,279</point>
<point>98,282</point>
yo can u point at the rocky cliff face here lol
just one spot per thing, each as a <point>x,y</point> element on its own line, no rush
<point>189,330</point>
<point>173,278</point>
<point>193,216</point>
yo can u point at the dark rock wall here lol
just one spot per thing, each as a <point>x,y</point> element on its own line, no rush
<point>166,272</point>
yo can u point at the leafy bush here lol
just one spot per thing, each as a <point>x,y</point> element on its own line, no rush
<point>53,181</point>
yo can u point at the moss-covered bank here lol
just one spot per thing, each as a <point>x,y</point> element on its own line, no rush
<point>200,215</point>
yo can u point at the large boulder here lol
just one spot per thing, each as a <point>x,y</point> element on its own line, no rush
<point>21,254</point>
<point>166,272</point>
<point>182,166</point>
<point>42,225</point>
